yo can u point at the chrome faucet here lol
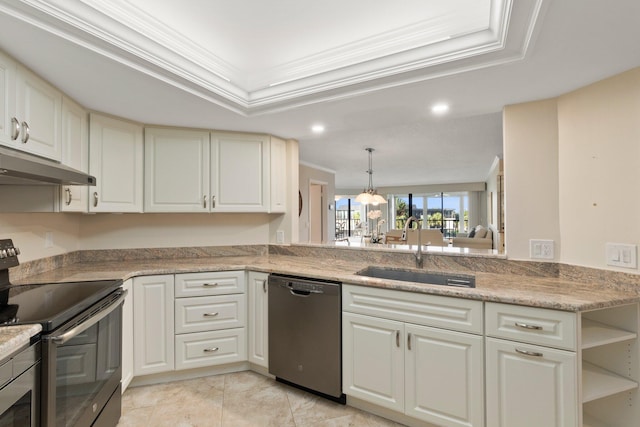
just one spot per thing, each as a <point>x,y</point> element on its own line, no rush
<point>418,254</point>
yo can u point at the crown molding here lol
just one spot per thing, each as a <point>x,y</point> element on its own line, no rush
<point>121,32</point>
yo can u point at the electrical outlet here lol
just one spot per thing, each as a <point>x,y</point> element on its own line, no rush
<point>279,237</point>
<point>541,249</point>
<point>621,255</point>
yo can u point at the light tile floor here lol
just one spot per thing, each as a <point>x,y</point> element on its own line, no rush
<point>242,399</point>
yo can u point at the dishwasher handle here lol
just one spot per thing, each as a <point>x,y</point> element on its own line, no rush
<point>302,290</point>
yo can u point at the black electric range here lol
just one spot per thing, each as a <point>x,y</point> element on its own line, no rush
<point>50,304</point>
<point>81,344</point>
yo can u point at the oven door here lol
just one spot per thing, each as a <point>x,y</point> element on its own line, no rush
<point>18,400</point>
<point>81,367</point>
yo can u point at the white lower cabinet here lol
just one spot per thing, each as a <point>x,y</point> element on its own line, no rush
<point>428,373</point>
<point>530,386</point>
<point>258,295</point>
<point>210,327</point>
<point>153,324</point>
<point>127,335</point>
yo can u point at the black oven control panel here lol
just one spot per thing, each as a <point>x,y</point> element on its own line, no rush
<point>8,254</point>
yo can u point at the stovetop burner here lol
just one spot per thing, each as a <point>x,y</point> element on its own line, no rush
<point>50,304</point>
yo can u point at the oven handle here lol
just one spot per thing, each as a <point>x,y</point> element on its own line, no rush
<point>61,339</point>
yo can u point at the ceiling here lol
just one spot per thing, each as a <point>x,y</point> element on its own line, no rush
<point>368,71</point>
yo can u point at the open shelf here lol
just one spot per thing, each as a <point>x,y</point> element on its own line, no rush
<point>598,383</point>
<point>595,334</point>
<point>589,421</point>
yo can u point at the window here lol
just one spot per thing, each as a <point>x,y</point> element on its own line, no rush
<point>448,212</point>
<point>349,214</point>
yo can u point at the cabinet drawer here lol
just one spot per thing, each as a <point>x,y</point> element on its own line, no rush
<point>210,283</point>
<point>210,348</point>
<point>428,310</point>
<point>533,325</point>
<point>200,314</point>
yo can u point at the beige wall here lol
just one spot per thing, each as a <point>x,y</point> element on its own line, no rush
<point>531,176</point>
<point>572,169</point>
<point>599,155</point>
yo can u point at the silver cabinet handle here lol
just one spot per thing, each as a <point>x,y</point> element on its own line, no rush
<point>25,132</point>
<point>409,341</point>
<point>69,196</point>
<point>529,353</point>
<point>209,285</point>
<point>204,201</point>
<point>527,326</point>
<point>213,202</point>
<point>211,350</point>
<point>15,128</point>
<point>398,339</point>
<point>264,286</point>
<point>95,199</point>
<point>210,314</point>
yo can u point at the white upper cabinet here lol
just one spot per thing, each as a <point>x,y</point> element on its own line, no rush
<point>38,109</point>
<point>75,154</point>
<point>278,175</point>
<point>176,170</point>
<point>8,131</point>
<point>197,171</point>
<point>116,160</point>
<point>240,172</point>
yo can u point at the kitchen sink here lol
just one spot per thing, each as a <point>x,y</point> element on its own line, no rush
<point>406,275</point>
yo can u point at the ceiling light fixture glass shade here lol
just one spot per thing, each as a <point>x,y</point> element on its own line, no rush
<point>369,195</point>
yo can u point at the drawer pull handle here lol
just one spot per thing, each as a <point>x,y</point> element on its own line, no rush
<point>209,285</point>
<point>15,128</point>
<point>210,314</point>
<point>211,350</point>
<point>398,339</point>
<point>529,353</point>
<point>264,286</point>
<point>409,341</point>
<point>527,326</point>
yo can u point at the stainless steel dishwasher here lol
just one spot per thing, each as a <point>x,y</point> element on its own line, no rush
<point>305,334</point>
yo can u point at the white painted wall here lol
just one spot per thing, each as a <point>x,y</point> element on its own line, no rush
<point>599,179</point>
<point>27,230</point>
<point>572,169</point>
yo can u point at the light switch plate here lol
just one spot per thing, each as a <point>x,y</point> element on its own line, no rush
<point>280,237</point>
<point>622,255</point>
<point>541,249</point>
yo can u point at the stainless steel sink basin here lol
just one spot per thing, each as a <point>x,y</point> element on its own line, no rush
<point>460,280</point>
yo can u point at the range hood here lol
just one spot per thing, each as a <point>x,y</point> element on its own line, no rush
<point>18,168</point>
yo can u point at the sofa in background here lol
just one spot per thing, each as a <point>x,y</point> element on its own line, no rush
<point>431,236</point>
<point>479,238</point>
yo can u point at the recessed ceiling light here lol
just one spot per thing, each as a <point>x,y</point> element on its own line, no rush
<point>440,108</point>
<point>317,128</point>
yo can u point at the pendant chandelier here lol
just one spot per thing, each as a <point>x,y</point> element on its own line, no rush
<point>369,195</point>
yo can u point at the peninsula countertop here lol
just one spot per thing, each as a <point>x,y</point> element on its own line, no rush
<point>544,292</point>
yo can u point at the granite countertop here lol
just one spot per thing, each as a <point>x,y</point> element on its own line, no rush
<point>13,338</point>
<point>545,292</point>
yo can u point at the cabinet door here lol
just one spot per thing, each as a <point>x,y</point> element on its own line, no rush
<point>176,170</point>
<point>39,109</point>
<point>435,358</point>
<point>127,335</point>
<point>115,159</point>
<point>373,360</point>
<point>7,100</point>
<point>258,319</point>
<point>239,172</point>
<point>153,324</point>
<point>75,153</point>
<point>278,161</point>
<point>530,390</point>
